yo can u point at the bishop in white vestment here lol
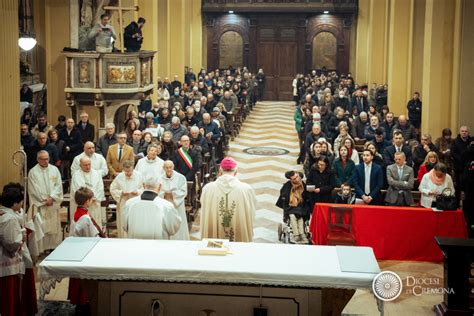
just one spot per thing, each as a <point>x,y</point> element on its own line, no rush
<point>151,164</point>
<point>90,178</point>
<point>98,162</point>
<point>128,184</point>
<point>148,216</point>
<point>174,189</point>
<point>228,206</point>
<point>45,191</point>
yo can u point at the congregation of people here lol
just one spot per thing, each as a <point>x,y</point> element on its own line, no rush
<point>355,150</point>
<point>146,161</point>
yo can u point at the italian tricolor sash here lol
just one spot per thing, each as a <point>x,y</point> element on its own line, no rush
<point>187,159</point>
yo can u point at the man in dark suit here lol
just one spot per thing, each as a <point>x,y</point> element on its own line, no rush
<point>398,146</point>
<point>368,180</point>
<point>72,146</point>
<point>400,182</point>
<point>86,129</point>
<point>360,101</point>
<point>187,161</point>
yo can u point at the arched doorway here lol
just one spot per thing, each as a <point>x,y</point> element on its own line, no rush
<point>231,50</point>
<point>324,51</point>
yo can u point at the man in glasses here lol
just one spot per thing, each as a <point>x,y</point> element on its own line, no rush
<point>117,154</point>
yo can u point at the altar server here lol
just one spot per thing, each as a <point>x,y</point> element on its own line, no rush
<point>151,163</point>
<point>29,249</point>
<point>174,188</point>
<point>15,298</point>
<point>98,162</point>
<point>45,191</point>
<point>89,178</point>
<point>128,184</point>
<point>84,226</point>
<point>228,206</point>
<point>148,216</point>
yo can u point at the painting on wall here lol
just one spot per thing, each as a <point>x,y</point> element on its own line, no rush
<point>121,74</point>
<point>84,76</point>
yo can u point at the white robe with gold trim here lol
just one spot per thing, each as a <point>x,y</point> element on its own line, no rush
<point>44,183</point>
<point>228,201</point>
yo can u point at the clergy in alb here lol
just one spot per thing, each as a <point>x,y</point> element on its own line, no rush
<point>98,162</point>
<point>89,178</point>
<point>151,163</point>
<point>128,184</point>
<point>45,190</point>
<point>148,216</point>
<point>174,188</point>
<point>228,206</point>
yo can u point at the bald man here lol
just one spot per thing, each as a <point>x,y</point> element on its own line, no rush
<point>98,161</point>
<point>174,189</point>
<point>187,160</point>
<point>86,176</point>
<point>209,129</point>
<point>45,191</point>
<point>407,129</point>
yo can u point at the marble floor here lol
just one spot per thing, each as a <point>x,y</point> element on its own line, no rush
<point>271,125</point>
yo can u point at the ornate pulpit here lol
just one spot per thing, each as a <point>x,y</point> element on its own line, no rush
<point>115,83</point>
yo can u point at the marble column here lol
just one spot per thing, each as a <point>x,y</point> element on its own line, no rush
<point>377,42</point>
<point>362,44</point>
<point>418,45</point>
<point>465,114</point>
<point>57,36</point>
<point>177,22</point>
<point>400,55</point>
<point>164,36</point>
<point>9,90</point>
<point>196,45</point>
<point>439,67</point>
<point>149,11</point>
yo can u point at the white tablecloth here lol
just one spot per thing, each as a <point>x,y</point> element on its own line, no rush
<point>178,261</point>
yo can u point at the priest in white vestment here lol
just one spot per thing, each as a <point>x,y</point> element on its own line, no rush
<point>174,188</point>
<point>148,216</point>
<point>128,184</point>
<point>228,206</point>
<point>98,162</point>
<point>89,178</point>
<point>45,190</point>
<point>151,163</point>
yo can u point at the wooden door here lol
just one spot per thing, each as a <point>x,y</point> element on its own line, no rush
<point>287,55</point>
<point>266,61</point>
<point>278,61</point>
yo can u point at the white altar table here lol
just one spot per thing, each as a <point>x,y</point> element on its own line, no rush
<point>127,276</point>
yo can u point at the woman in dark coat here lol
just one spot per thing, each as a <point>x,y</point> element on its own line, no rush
<point>343,167</point>
<point>321,181</point>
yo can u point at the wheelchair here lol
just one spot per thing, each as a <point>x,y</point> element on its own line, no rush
<point>285,231</point>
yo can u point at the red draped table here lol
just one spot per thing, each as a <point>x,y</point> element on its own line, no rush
<point>395,233</point>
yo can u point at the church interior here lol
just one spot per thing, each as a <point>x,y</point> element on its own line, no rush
<point>284,57</point>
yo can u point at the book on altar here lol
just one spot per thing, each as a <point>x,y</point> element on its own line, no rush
<point>214,247</point>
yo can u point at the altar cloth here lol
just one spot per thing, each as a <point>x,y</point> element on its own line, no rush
<point>178,261</point>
